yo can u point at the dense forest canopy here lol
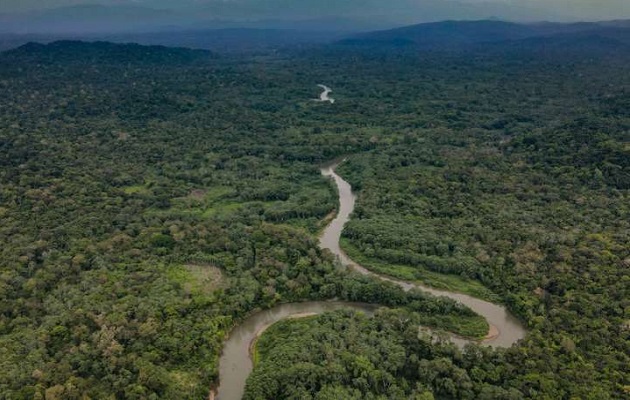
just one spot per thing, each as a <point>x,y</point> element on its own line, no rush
<point>150,198</point>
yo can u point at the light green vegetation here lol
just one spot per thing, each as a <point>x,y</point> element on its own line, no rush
<point>452,283</point>
<point>197,279</point>
<point>136,189</point>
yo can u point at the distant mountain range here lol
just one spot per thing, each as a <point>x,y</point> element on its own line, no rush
<point>133,16</point>
<point>103,53</point>
<point>457,34</point>
<point>206,28</point>
<point>453,35</point>
<point>228,40</point>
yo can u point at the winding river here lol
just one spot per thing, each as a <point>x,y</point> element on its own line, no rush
<point>324,96</point>
<point>505,329</point>
<point>235,364</point>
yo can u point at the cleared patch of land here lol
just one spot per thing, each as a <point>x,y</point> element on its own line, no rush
<point>198,279</point>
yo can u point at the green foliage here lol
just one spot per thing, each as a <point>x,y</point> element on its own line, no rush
<point>120,165</point>
<point>115,171</point>
<point>450,282</point>
<point>349,354</point>
<point>520,185</point>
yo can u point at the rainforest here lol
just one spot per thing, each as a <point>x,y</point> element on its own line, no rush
<point>154,199</point>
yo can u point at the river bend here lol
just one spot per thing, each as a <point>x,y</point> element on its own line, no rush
<point>236,364</point>
<point>505,329</point>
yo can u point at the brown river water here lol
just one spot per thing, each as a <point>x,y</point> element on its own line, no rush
<point>236,363</point>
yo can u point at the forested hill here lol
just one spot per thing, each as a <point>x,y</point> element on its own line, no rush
<point>66,51</point>
<point>450,35</point>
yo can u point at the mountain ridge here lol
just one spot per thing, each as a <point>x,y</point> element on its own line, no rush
<point>62,51</point>
<point>445,35</point>
<point>465,33</point>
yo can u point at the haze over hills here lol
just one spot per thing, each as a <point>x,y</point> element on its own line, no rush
<point>228,40</point>
<point>439,35</point>
<point>90,19</point>
<point>103,53</point>
<point>245,25</point>
<point>207,29</point>
<point>452,34</point>
<point>91,16</point>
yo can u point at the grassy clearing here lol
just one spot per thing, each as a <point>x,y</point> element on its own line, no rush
<point>468,327</point>
<point>453,283</point>
<point>174,212</point>
<point>136,189</point>
<point>255,353</point>
<point>197,279</point>
<point>184,382</point>
<point>217,192</point>
<point>222,209</point>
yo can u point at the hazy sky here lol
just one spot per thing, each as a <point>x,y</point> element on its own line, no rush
<point>388,9</point>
